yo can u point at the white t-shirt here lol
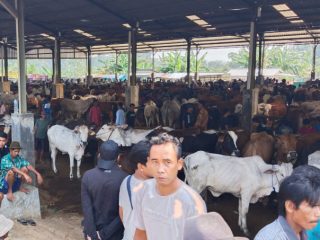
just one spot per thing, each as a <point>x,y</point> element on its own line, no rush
<point>163,217</point>
<point>124,202</point>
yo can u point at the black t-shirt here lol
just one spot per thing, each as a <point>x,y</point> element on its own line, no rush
<point>130,118</point>
<point>3,151</point>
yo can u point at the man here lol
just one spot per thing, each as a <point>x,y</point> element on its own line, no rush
<point>100,196</point>
<point>40,130</point>
<point>14,170</point>
<point>131,116</point>
<point>130,186</point>
<point>165,202</point>
<point>299,206</point>
<point>5,226</point>
<point>202,118</point>
<point>4,150</point>
<point>120,116</point>
<point>95,114</point>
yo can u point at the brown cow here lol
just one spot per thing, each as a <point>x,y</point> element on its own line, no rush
<point>272,149</point>
<point>260,144</point>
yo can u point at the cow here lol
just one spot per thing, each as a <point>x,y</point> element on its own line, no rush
<point>170,113</point>
<point>78,107</point>
<point>280,148</point>
<point>211,141</point>
<point>68,141</point>
<point>122,137</point>
<point>247,178</point>
<point>151,114</point>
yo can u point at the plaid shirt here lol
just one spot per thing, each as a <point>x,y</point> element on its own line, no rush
<point>7,164</point>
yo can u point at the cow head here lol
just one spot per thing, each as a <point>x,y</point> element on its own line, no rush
<point>83,132</point>
<point>227,144</point>
<point>193,164</point>
<point>110,132</point>
<point>285,146</point>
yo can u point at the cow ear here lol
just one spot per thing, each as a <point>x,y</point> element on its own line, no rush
<point>76,129</point>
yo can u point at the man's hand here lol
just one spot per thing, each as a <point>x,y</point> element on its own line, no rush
<point>27,178</point>
<point>39,179</point>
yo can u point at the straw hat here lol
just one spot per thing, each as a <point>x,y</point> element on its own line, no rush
<point>209,226</point>
<point>15,145</point>
<point>5,225</point>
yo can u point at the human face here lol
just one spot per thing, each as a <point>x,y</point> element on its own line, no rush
<point>165,164</point>
<point>146,170</point>
<point>305,216</point>
<point>3,142</point>
<point>14,152</point>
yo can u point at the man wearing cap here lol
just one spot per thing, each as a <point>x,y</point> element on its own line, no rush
<point>14,170</point>
<point>100,196</point>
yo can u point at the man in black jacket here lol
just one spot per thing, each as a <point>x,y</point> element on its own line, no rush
<point>100,196</point>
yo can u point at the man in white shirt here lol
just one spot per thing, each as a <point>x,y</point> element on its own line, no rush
<point>165,202</point>
<point>131,186</point>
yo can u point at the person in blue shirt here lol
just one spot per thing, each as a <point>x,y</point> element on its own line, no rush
<point>314,234</point>
<point>120,115</point>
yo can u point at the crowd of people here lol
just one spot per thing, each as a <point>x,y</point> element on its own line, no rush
<point>154,203</point>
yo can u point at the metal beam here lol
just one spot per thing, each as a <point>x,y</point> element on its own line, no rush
<point>57,59</point>
<point>5,59</point>
<point>134,56</point>
<point>188,60</point>
<point>313,71</point>
<point>9,8</point>
<point>22,83</point>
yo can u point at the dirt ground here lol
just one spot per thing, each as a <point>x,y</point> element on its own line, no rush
<point>61,208</point>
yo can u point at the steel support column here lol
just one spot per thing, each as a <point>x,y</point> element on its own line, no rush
<point>129,59</point>
<point>152,74</point>
<point>53,68</point>
<point>252,56</point>
<point>5,59</point>
<point>313,71</point>
<point>134,56</point>
<point>57,59</point>
<point>22,83</point>
<point>250,95</point>
<point>188,60</point>
<point>197,55</point>
<point>89,60</point>
<point>116,68</point>
<point>260,76</point>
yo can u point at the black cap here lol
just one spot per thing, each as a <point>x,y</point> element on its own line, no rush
<point>109,152</point>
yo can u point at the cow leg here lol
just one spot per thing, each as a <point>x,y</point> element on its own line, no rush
<point>239,211</point>
<point>245,201</point>
<point>53,157</point>
<point>78,168</point>
<point>71,157</point>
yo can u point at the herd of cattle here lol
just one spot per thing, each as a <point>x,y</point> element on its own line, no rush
<point>247,165</point>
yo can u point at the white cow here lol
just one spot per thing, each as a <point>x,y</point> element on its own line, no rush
<point>151,114</point>
<point>170,112</point>
<point>68,141</point>
<point>247,178</point>
<point>314,159</point>
<point>121,136</point>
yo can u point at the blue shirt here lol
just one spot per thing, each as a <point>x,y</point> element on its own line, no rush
<point>120,117</point>
<point>314,234</point>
